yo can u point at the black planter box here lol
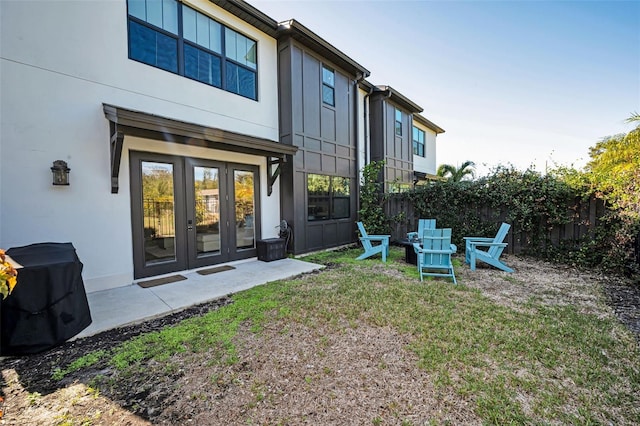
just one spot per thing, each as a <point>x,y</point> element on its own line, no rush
<point>271,249</point>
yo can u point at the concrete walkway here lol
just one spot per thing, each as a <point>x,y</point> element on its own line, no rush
<point>130,304</point>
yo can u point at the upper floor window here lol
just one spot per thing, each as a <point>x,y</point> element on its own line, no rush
<point>328,86</point>
<point>398,122</point>
<point>328,197</point>
<point>201,48</point>
<point>153,34</point>
<point>418,142</point>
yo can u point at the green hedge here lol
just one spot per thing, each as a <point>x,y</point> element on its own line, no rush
<point>533,204</point>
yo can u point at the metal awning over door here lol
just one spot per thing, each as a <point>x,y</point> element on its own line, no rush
<point>129,122</point>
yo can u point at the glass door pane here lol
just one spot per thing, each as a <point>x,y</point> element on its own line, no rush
<point>244,192</point>
<point>158,212</point>
<point>206,187</point>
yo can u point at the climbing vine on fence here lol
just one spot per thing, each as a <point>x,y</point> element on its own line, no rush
<point>523,198</point>
<point>532,203</point>
<point>371,211</point>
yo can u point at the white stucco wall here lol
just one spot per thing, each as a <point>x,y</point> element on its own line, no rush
<point>426,164</point>
<point>60,61</point>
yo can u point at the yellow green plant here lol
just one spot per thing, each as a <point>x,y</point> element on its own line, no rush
<point>8,276</point>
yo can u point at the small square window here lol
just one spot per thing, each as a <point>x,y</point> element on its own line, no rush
<point>328,95</point>
<point>328,76</point>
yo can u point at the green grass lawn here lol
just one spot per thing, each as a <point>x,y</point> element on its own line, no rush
<point>537,365</point>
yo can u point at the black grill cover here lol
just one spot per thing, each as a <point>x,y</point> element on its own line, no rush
<point>49,304</point>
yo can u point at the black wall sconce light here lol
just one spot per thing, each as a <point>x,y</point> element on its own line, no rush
<point>60,173</point>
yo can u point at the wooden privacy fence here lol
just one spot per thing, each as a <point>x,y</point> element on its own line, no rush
<point>585,215</point>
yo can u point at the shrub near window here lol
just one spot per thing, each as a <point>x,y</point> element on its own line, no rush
<point>372,199</point>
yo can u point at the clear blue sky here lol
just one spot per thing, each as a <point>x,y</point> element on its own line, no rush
<point>526,83</point>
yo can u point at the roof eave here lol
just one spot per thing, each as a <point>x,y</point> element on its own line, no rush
<point>399,99</point>
<point>250,15</point>
<point>430,124</point>
<point>310,39</point>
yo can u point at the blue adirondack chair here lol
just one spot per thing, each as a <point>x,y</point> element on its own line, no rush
<point>493,248</point>
<point>381,244</point>
<point>434,255</point>
<point>422,225</point>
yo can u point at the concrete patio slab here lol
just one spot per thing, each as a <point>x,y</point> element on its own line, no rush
<point>131,304</point>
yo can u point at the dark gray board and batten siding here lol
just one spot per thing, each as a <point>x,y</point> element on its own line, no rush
<point>326,138</point>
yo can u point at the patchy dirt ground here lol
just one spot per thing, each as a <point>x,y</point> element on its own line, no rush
<point>265,386</point>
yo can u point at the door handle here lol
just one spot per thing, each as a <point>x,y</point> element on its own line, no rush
<point>189,225</point>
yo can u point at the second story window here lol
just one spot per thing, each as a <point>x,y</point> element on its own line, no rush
<point>201,48</point>
<point>418,142</point>
<point>241,64</point>
<point>153,34</point>
<point>328,86</point>
<point>398,122</point>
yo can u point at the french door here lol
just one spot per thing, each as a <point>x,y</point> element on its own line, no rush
<point>188,212</point>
